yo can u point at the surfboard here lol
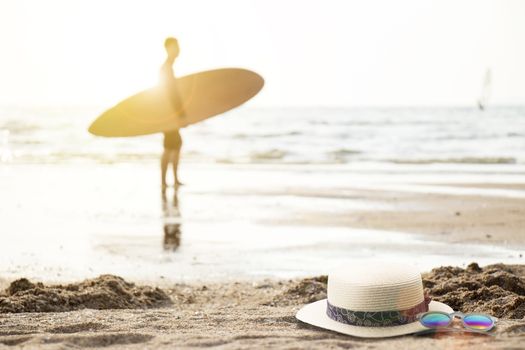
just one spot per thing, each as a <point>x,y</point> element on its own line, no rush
<point>199,96</point>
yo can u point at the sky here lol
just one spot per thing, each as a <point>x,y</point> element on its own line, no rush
<point>311,53</point>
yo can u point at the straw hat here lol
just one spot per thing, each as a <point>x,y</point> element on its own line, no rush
<point>372,300</point>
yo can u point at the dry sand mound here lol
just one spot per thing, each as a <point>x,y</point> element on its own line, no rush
<point>304,291</point>
<point>498,289</point>
<point>103,292</point>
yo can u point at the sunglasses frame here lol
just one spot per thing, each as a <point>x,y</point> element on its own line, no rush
<point>453,315</point>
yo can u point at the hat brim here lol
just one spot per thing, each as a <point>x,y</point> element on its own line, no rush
<point>315,314</point>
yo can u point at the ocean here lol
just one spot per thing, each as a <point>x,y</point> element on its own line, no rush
<point>281,136</point>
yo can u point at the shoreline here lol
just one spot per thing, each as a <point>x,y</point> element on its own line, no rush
<point>278,223</point>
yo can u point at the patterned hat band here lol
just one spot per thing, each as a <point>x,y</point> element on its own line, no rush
<point>377,318</point>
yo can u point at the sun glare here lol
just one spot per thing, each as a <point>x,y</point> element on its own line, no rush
<point>96,52</point>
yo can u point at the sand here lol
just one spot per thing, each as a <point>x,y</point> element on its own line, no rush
<point>103,292</point>
<point>498,290</point>
<point>244,315</point>
<point>445,217</point>
<point>260,314</point>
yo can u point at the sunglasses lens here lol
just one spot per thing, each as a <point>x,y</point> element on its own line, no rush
<point>478,322</point>
<point>433,320</point>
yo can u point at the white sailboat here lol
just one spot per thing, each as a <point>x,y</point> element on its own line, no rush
<point>485,90</point>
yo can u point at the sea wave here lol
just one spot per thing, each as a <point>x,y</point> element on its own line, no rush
<point>64,157</point>
<point>273,154</point>
<point>345,152</point>
<point>268,135</point>
<point>462,160</point>
<point>17,127</point>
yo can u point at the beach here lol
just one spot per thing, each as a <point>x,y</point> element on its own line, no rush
<point>214,302</point>
<point>187,175</point>
<point>241,315</point>
<point>258,216</point>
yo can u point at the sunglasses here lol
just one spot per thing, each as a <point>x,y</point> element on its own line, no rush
<point>475,322</point>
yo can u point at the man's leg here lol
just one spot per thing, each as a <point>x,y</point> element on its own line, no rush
<point>175,160</point>
<point>164,160</point>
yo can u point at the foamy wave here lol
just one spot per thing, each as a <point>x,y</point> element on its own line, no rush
<point>269,135</point>
<point>16,127</point>
<point>463,160</point>
<point>64,157</point>
<point>273,154</point>
<point>344,152</point>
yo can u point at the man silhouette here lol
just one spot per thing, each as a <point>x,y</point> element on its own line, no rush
<point>172,139</point>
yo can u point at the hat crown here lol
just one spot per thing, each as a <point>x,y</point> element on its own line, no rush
<point>376,287</point>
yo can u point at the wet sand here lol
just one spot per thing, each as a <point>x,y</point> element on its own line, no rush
<point>456,218</point>
<point>242,315</point>
<point>278,221</point>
